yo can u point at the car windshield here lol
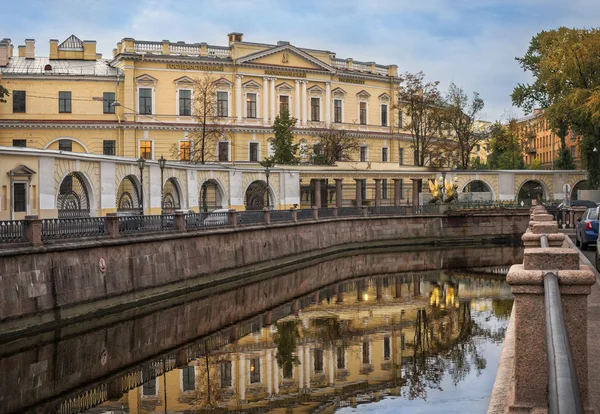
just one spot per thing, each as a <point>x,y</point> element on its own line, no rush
<point>593,214</point>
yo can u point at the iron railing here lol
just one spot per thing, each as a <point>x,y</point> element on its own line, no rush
<point>326,212</point>
<point>13,231</point>
<point>281,215</point>
<point>251,217</point>
<point>350,212</point>
<point>202,220</point>
<point>146,224</point>
<point>71,228</point>
<point>305,214</point>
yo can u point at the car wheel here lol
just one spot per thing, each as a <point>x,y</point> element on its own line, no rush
<point>584,245</point>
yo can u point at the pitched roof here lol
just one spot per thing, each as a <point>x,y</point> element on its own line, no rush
<point>72,43</point>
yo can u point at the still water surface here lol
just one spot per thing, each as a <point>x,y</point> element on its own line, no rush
<point>409,342</point>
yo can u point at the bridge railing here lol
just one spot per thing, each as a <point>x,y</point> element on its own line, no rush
<point>37,232</point>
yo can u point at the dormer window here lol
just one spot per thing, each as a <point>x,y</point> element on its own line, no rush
<point>48,67</point>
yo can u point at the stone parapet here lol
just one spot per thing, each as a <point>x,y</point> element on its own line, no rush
<point>534,240</point>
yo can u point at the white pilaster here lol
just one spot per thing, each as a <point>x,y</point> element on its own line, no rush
<point>300,366</point>
<point>275,378</point>
<point>307,364</point>
<point>328,103</point>
<point>269,372</point>
<point>265,96</point>
<point>330,363</point>
<point>304,103</point>
<point>238,97</point>
<point>272,99</point>
<point>47,186</point>
<point>297,101</point>
<point>242,378</point>
<point>108,192</point>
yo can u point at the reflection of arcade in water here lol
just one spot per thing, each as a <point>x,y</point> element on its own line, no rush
<point>357,341</point>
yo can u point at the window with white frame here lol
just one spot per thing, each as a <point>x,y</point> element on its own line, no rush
<point>400,120</point>
<point>284,103</point>
<point>362,113</point>
<point>19,197</point>
<point>185,152</point>
<point>254,370</point>
<point>250,105</point>
<point>253,151</point>
<point>226,374</point>
<point>188,378</point>
<point>366,352</point>
<point>223,151</point>
<point>222,104</point>
<point>337,111</point>
<point>341,357</point>
<point>401,155</point>
<point>363,157</point>
<point>146,149</point>
<point>387,349</point>
<point>315,109</point>
<point>145,101</point>
<point>270,147</point>
<point>185,102</point>
<point>384,115</point>
<point>384,154</point>
<point>318,361</point>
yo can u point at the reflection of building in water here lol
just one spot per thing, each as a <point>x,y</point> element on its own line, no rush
<point>357,338</point>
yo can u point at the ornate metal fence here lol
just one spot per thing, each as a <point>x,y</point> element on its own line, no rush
<point>325,212</point>
<point>281,215</point>
<point>251,217</point>
<point>203,220</point>
<point>146,224</point>
<point>70,228</point>
<point>13,231</point>
<point>306,214</point>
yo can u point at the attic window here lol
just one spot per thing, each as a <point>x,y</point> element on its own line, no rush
<point>238,38</point>
<point>48,67</point>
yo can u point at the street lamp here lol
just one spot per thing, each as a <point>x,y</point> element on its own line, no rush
<point>162,161</point>
<point>141,161</point>
<point>267,173</point>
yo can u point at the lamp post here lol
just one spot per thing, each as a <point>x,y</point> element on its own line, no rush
<point>161,163</point>
<point>267,173</point>
<point>141,161</point>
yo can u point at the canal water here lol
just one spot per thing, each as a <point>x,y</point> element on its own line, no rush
<point>410,342</point>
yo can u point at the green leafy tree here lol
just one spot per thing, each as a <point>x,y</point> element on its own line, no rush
<point>283,143</point>
<point>3,94</point>
<point>536,164</point>
<point>506,149</point>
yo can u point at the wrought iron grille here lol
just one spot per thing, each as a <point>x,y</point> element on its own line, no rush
<point>68,228</point>
<point>13,231</point>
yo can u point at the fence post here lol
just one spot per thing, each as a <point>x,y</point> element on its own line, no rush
<point>365,211</point>
<point>315,212</point>
<point>232,218</point>
<point>335,211</point>
<point>267,214</point>
<point>180,221</point>
<point>112,225</point>
<point>34,230</point>
<point>294,213</point>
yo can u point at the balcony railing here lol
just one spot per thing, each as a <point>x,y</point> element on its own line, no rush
<point>68,229</point>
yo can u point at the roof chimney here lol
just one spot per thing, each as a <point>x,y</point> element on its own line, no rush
<point>4,52</point>
<point>29,49</point>
<point>234,37</point>
<point>89,50</point>
<point>21,50</point>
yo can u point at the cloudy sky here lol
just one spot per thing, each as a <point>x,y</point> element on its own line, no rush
<point>470,42</point>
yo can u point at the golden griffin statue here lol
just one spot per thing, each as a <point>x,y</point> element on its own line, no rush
<point>440,188</point>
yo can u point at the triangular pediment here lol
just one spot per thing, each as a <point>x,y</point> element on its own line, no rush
<point>338,92</point>
<point>184,79</point>
<point>145,78</point>
<point>283,87</point>
<point>285,56</point>
<point>316,89</point>
<point>363,94</point>
<point>222,82</point>
<point>384,97</point>
<point>71,43</point>
<point>251,85</point>
<point>21,170</point>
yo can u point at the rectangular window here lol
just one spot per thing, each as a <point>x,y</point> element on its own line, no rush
<point>387,349</point>
<point>184,151</point>
<point>318,360</point>
<point>366,353</point>
<point>145,104</point>
<point>384,154</point>
<point>19,101</point>
<point>64,102</point>
<point>363,154</point>
<point>253,156</point>
<point>284,103</point>
<point>108,98</point>
<point>109,147</point>
<point>337,111</point>
<point>226,377</point>
<point>401,155</point>
<point>341,357</point>
<point>400,121</point>
<point>65,145</point>
<point>384,114</point>
<point>402,188</point>
<point>222,103</point>
<point>149,387</point>
<point>251,105</point>
<point>223,151</point>
<point>19,197</point>
<point>363,113</point>
<point>315,109</point>
<point>146,149</point>
<point>19,143</point>
<point>254,370</point>
<point>384,189</point>
<point>185,102</point>
<point>188,379</point>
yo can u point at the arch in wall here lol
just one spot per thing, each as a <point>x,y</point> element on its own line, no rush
<point>75,197</point>
<point>579,185</point>
<point>255,196</point>
<point>479,186</point>
<point>128,194</point>
<point>532,189</point>
<point>212,195</point>
<point>171,196</point>
<point>87,150</point>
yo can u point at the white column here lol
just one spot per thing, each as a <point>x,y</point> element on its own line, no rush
<point>330,368</point>
<point>269,372</point>
<point>304,103</point>
<point>328,103</point>
<point>307,365</point>
<point>272,99</point>
<point>238,97</point>
<point>242,378</point>
<point>300,366</point>
<point>275,377</point>
<point>297,101</point>
<point>265,98</point>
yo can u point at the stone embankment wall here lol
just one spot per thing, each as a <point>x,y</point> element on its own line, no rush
<point>43,285</point>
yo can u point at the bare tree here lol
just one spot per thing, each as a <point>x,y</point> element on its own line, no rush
<point>211,125</point>
<point>335,145</point>
<point>422,102</point>
<point>460,116</point>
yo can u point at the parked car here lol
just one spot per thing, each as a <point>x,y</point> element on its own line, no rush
<point>217,217</point>
<point>131,220</point>
<point>598,256</point>
<point>586,229</point>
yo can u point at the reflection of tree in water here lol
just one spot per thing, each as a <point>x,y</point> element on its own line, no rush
<point>285,339</point>
<point>440,347</point>
<point>502,308</point>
